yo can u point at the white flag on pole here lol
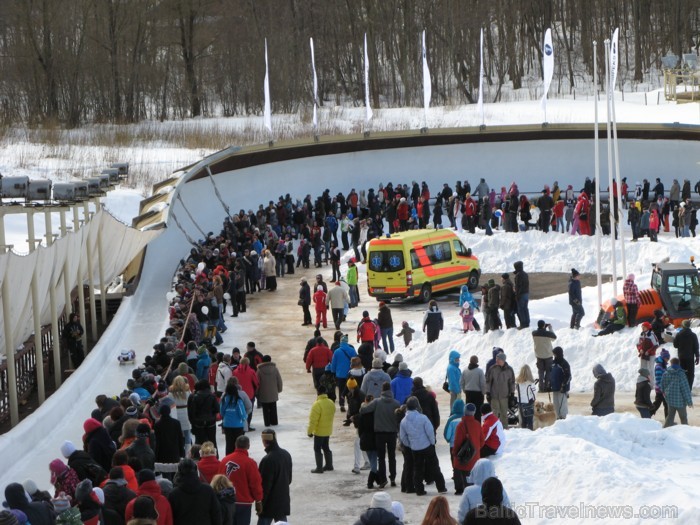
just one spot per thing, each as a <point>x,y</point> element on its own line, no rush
<point>313,68</point>
<point>367,106</point>
<point>613,61</point>
<point>547,66</point>
<point>267,115</point>
<point>480,103</point>
<point>427,87</point>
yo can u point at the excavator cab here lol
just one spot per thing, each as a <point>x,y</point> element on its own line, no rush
<point>678,286</point>
<point>675,289</point>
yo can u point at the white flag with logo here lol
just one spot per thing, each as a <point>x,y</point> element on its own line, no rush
<point>480,103</point>
<point>267,115</point>
<point>313,68</point>
<point>427,87</point>
<point>547,65</point>
<point>367,106</point>
<point>613,60</point>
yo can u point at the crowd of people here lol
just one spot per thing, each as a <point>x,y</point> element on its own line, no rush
<point>150,454</point>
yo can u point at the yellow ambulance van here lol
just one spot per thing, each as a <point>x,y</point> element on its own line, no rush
<point>419,263</point>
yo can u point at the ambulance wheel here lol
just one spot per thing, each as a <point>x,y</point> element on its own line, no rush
<point>425,293</point>
<point>473,281</point>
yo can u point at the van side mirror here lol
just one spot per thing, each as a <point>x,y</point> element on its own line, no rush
<point>469,252</point>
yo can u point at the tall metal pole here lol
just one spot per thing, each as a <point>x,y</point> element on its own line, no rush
<point>610,167</point>
<point>9,354</point>
<point>597,175</point>
<point>91,281</point>
<point>621,223</point>
<point>55,337</point>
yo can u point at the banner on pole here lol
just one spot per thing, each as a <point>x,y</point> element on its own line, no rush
<point>313,68</point>
<point>613,60</point>
<point>367,106</point>
<point>427,87</point>
<point>480,103</point>
<point>267,115</point>
<point>547,65</point>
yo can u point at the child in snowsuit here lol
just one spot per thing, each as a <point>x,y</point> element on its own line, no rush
<point>467,315</point>
<point>406,332</point>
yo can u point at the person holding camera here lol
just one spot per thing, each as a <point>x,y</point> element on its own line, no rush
<point>543,337</point>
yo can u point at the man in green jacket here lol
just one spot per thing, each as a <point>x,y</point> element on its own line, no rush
<point>351,279</point>
<point>617,321</point>
<point>321,428</point>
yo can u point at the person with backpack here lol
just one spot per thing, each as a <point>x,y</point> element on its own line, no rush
<point>234,416</point>
<point>83,465</point>
<point>466,449</point>
<point>560,383</point>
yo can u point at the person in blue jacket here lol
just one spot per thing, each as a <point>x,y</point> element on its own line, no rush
<point>454,374</point>
<point>402,384</point>
<point>465,296</point>
<point>203,363</point>
<point>340,366</point>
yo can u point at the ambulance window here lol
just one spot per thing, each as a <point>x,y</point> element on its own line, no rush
<point>460,250</point>
<point>415,261</point>
<point>388,261</point>
<point>439,252</point>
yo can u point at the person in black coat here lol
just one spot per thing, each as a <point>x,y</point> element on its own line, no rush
<point>202,409</point>
<point>276,473</point>
<point>492,509</point>
<point>37,513</point>
<point>427,402</point>
<point>117,494</point>
<point>687,344</point>
<point>433,322</point>
<point>105,405</point>
<point>193,502</point>
<point>140,448</point>
<point>83,464</point>
<point>305,301</point>
<point>170,443</point>
<point>98,443</point>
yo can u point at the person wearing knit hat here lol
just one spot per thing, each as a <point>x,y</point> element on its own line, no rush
<point>642,396</point>
<point>417,433</point>
<point>380,510</point>
<point>374,379</point>
<point>661,364</point>
<point>500,386</point>
<point>140,447</point>
<point>67,449</point>
<point>135,399</point>
<point>575,300</point>
<point>145,510</point>
<point>403,366</point>
<point>686,342</point>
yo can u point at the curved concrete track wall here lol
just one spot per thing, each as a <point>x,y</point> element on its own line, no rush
<point>544,156</point>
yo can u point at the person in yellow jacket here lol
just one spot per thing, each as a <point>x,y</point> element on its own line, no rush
<point>321,428</point>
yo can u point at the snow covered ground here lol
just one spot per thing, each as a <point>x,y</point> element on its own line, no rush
<point>601,464</point>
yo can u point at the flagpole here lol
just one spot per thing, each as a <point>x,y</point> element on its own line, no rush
<point>267,112</point>
<point>427,87</point>
<point>614,58</point>
<point>597,175</point>
<point>610,166</point>
<point>547,68</point>
<point>315,86</point>
<point>480,102</point>
<point>368,108</point>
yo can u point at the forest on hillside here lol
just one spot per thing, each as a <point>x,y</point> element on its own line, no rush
<point>71,62</point>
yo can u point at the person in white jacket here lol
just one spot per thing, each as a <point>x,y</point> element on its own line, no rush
<point>223,374</point>
<point>483,469</point>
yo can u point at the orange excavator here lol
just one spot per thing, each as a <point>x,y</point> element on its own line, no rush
<point>675,289</point>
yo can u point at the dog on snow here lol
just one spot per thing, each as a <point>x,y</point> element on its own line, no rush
<point>544,415</point>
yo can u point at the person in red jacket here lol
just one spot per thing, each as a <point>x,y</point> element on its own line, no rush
<point>470,212</point>
<point>468,428</point>
<point>559,215</point>
<point>242,471</point>
<point>317,359</point>
<point>209,464</point>
<point>493,436</point>
<point>402,214</point>
<point>148,486</point>
<point>319,299</point>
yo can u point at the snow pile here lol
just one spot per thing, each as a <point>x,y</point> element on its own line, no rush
<point>540,252</point>
<point>615,464</point>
